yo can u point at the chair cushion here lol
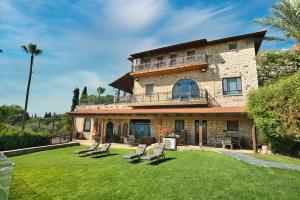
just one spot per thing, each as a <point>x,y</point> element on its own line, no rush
<point>150,157</point>
<point>131,156</point>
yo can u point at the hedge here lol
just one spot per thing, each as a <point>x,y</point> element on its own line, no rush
<point>275,111</point>
<point>11,138</point>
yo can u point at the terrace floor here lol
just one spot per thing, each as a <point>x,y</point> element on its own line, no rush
<point>59,174</point>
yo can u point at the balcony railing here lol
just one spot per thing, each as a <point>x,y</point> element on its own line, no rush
<point>165,98</point>
<point>172,62</point>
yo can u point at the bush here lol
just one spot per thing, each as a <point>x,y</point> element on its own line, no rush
<point>11,138</point>
<point>275,110</point>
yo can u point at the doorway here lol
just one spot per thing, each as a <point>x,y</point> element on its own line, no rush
<point>109,131</point>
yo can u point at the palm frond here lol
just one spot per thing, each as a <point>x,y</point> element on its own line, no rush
<point>25,49</point>
<point>38,52</point>
<point>285,18</point>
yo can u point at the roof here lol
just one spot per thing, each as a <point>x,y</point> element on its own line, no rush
<point>100,111</point>
<point>257,36</point>
<point>124,83</point>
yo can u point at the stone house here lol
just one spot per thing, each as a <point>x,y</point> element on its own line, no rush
<point>196,89</point>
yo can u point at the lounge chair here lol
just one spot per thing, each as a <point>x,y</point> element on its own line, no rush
<point>91,148</point>
<point>140,151</point>
<point>104,150</point>
<point>158,153</point>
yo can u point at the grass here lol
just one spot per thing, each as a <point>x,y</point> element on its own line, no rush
<point>59,174</point>
<point>277,158</point>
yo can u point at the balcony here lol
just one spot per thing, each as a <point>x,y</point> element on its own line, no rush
<point>172,65</point>
<point>165,99</point>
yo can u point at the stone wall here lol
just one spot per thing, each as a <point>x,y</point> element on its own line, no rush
<point>223,63</point>
<point>216,124</point>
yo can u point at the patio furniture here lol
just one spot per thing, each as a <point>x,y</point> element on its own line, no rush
<point>137,154</point>
<point>180,137</point>
<point>131,140</point>
<point>91,148</point>
<point>236,141</point>
<point>227,142</point>
<point>103,151</point>
<point>158,153</point>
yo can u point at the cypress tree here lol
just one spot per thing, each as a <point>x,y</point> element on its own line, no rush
<point>84,94</point>
<point>75,99</point>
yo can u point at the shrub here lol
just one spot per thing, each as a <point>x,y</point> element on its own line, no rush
<point>275,110</point>
<point>11,138</point>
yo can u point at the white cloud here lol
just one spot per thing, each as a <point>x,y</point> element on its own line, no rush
<point>133,15</point>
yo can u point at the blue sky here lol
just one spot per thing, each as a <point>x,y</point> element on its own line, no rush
<point>86,43</point>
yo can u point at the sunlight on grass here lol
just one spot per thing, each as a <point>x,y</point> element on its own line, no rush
<point>59,174</point>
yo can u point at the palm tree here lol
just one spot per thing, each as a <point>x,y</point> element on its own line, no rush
<point>285,18</point>
<point>33,51</point>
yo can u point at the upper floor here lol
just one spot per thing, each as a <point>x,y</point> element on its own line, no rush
<point>198,73</point>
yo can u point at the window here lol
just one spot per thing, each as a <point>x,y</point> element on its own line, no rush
<point>146,62</point>
<point>232,86</point>
<point>185,89</point>
<point>149,89</point>
<point>160,62</point>
<point>87,125</point>
<point>232,46</point>
<point>179,125</point>
<point>173,60</point>
<point>232,125</point>
<point>190,55</point>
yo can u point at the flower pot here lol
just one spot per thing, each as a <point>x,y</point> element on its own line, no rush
<point>264,148</point>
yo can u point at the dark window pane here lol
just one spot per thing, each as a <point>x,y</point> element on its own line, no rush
<point>232,46</point>
<point>179,125</point>
<point>87,125</point>
<point>149,89</point>
<point>232,125</point>
<point>232,86</point>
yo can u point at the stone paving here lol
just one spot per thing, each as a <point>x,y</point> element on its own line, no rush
<point>258,162</point>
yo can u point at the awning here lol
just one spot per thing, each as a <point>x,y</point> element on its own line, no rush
<point>124,83</point>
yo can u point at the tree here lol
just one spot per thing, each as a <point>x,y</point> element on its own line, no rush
<point>84,94</point>
<point>33,51</point>
<point>273,65</point>
<point>8,111</point>
<point>75,99</point>
<point>100,90</point>
<point>285,18</point>
<point>275,111</point>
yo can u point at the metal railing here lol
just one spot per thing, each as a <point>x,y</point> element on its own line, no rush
<point>172,62</point>
<point>164,97</point>
<point>6,169</point>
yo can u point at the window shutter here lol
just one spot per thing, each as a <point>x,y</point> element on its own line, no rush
<point>238,84</point>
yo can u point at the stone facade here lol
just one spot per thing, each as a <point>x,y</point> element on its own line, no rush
<point>223,63</point>
<point>216,125</point>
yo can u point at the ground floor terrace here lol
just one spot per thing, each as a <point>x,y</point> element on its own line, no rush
<point>198,126</point>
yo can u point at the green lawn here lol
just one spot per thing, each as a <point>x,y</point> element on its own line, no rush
<point>277,158</point>
<point>59,174</point>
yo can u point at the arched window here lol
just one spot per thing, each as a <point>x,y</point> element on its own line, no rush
<point>185,89</point>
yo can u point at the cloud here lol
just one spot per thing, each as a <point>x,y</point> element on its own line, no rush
<point>133,15</point>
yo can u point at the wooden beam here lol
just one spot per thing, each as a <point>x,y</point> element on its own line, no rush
<point>200,133</point>
<point>254,139</point>
<point>102,131</point>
